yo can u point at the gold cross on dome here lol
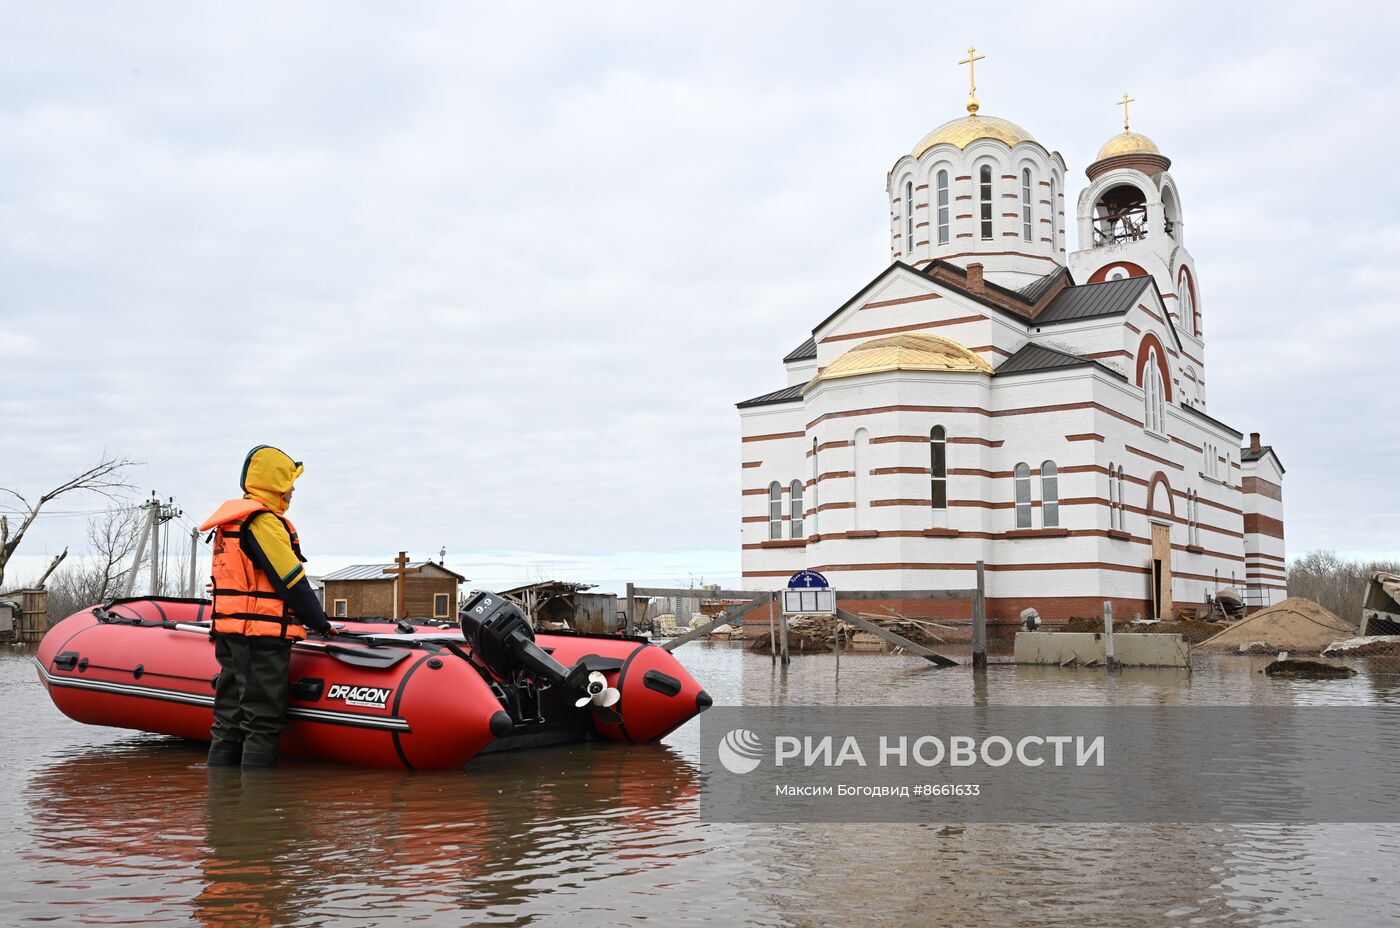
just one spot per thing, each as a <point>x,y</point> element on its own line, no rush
<point>1124,103</point>
<point>971,62</point>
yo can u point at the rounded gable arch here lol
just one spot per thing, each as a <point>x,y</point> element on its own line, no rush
<point>1149,346</point>
<point>1159,490</point>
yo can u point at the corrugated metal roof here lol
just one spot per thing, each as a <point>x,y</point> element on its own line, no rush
<point>1087,301</point>
<point>803,352</point>
<point>785,395</point>
<point>376,571</point>
<point>1034,357</point>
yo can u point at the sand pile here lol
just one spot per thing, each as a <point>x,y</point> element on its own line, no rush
<point>1297,625</point>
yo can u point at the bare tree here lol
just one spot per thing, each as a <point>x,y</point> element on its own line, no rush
<point>96,577</point>
<point>106,478</point>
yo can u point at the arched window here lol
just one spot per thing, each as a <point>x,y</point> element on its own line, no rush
<point>1112,497</point>
<point>1122,505</point>
<point>1187,300</point>
<point>942,207</point>
<point>860,480</point>
<point>775,511</point>
<point>816,490</point>
<point>1026,204</point>
<point>1153,396</point>
<point>938,466</point>
<point>1049,495</point>
<point>795,509</point>
<point>1054,216</point>
<point>985,198</point>
<point>908,217</point>
<point>1023,495</point>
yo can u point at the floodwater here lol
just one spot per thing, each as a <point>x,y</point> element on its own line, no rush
<point>105,827</point>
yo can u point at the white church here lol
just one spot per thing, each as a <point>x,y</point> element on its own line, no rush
<point>991,396</point>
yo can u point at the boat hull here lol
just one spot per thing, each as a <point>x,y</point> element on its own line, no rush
<point>145,665</point>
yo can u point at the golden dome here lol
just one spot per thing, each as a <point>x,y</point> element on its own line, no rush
<point>905,352</point>
<point>1128,143</point>
<point>968,129</point>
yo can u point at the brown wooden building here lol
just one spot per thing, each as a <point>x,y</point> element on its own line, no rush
<point>366,591</point>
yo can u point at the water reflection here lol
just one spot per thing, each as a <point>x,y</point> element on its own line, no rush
<point>278,846</point>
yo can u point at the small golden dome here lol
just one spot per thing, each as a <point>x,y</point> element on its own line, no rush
<point>1128,143</point>
<point>964,131</point>
<point>905,352</point>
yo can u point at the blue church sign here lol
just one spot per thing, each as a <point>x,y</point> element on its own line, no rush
<point>807,580</point>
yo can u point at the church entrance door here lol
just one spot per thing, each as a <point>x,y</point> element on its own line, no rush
<point>1161,570</point>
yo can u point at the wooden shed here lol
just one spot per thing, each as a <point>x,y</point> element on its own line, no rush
<point>425,590</point>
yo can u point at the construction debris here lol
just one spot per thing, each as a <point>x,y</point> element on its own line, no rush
<point>1296,625</point>
<point>1365,646</point>
<point>1306,668</point>
<point>813,634</point>
<point>1192,630</point>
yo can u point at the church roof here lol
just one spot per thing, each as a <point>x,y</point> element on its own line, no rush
<point>785,395</point>
<point>1033,357</point>
<point>1034,290</point>
<point>907,351</point>
<point>1128,143</point>
<point>806,351</point>
<point>965,130</point>
<point>1088,301</point>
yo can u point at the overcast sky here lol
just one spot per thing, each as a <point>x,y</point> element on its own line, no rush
<point>498,274</point>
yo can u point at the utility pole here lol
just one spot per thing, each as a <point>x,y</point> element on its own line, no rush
<point>146,532</point>
<point>165,512</point>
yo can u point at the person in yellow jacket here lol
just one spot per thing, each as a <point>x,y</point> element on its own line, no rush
<point>262,604</point>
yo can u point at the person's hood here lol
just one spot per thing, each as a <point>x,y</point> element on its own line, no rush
<point>268,473</point>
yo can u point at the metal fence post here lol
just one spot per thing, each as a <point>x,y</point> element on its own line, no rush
<point>631,610</point>
<point>979,620</point>
<point>1108,659</point>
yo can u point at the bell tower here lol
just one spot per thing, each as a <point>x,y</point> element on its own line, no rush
<point>1131,224</point>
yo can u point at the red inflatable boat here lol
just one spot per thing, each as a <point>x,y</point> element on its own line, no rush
<point>421,696</point>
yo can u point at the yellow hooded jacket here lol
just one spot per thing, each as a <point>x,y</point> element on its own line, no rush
<point>257,561</point>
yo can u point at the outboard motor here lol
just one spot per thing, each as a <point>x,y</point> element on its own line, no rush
<point>500,635</point>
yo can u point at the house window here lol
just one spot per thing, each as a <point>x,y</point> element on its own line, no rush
<point>938,466</point>
<point>342,609</point>
<point>985,191</point>
<point>1054,217</point>
<point>440,604</point>
<point>1153,396</point>
<point>942,207</point>
<point>909,217</point>
<point>1026,204</point>
<point>795,509</point>
<point>775,511</point>
<point>1023,495</point>
<point>1049,495</point>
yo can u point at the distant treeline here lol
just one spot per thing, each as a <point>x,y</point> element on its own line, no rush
<point>1334,582</point>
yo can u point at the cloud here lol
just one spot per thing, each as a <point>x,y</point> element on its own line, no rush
<point>498,274</point>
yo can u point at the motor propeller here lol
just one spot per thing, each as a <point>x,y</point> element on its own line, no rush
<point>597,692</point>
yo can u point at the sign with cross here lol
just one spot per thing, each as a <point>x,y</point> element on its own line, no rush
<point>401,571</point>
<point>808,593</point>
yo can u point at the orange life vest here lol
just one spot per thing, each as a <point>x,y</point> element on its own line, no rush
<point>245,601</point>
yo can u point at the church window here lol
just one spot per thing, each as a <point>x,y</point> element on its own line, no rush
<point>860,480</point>
<point>775,511</point>
<point>1054,216</point>
<point>938,466</point>
<point>1049,495</point>
<point>1188,302</point>
<point>1122,506</point>
<point>816,491</point>
<point>1153,396</point>
<point>942,183</point>
<point>1112,497</point>
<point>1023,495</point>
<point>985,197</point>
<point>908,217</point>
<point>795,509</point>
<point>1026,204</point>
